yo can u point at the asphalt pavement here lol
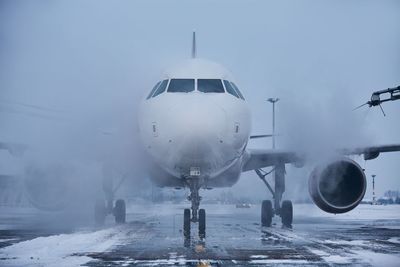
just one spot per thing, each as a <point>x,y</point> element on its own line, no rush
<point>152,236</point>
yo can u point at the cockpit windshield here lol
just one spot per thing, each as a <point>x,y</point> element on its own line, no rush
<point>237,90</point>
<point>232,89</point>
<point>161,88</point>
<point>181,86</point>
<point>188,85</point>
<point>152,90</point>
<point>229,88</point>
<point>210,86</point>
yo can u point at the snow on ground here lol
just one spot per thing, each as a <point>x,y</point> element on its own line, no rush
<point>287,262</point>
<point>378,259</point>
<point>359,243</point>
<point>361,213</point>
<point>395,240</point>
<point>69,249</point>
<point>329,258</point>
<point>57,250</point>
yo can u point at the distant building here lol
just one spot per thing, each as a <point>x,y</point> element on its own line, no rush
<point>393,194</point>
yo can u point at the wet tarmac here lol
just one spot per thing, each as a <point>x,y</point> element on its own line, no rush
<point>367,236</point>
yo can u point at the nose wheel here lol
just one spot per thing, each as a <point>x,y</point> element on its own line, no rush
<point>186,223</point>
<point>202,223</point>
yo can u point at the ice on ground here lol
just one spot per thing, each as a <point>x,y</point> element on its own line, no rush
<point>378,259</point>
<point>269,261</point>
<point>395,240</point>
<point>336,259</point>
<point>360,213</point>
<point>57,250</point>
<point>259,257</point>
<point>359,243</point>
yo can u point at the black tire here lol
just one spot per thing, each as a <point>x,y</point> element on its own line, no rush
<point>287,213</point>
<point>100,212</point>
<point>120,211</point>
<point>202,223</point>
<point>266,213</point>
<point>186,223</point>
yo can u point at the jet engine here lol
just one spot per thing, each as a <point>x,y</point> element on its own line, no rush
<point>48,188</point>
<point>337,187</point>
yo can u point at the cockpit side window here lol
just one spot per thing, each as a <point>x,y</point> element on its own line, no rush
<point>229,88</point>
<point>237,90</point>
<point>161,88</point>
<point>181,86</point>
<point>152,90</point>
<point>210,86</point>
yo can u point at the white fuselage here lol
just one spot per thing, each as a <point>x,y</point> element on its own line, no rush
<point>195,134</point>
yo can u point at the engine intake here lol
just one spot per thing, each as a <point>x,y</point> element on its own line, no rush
<point>337,187</point>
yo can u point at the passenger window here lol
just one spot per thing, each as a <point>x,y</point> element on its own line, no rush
<point>230,89</point>
<point>181,86</point>
<point>237,90</point>
<point>161,88</point>
<point>210,86</point>
<point>152,90</point>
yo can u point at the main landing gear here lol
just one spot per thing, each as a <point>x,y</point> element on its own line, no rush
<point>101,211</point>
<point>194,214</point>
<point>284,209</point>
<point>105,207</point>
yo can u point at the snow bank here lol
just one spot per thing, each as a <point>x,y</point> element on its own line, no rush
<point>56,250</point>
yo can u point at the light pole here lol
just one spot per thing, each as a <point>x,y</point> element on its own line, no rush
<point>373,189</point>
<point>273,101</point>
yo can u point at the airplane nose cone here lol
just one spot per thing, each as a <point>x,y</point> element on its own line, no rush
<point>199,120</point>
<point>198,134</point>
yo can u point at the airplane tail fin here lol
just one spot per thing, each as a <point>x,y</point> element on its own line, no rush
<point>194,49</point>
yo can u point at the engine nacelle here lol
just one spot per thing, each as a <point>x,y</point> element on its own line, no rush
<point>337,187</point>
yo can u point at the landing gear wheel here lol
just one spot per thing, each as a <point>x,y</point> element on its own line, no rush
<point>202,223</point>
<point>120,211</point>
<point>287,213</point>
<point>100,212</point>
<point>266,213</point>
<point>186,223</point>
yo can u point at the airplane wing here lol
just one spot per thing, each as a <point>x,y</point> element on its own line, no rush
<point>261,158</point>
<point>371,152</point>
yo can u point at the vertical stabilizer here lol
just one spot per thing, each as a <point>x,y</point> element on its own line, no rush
<point>194,49</point>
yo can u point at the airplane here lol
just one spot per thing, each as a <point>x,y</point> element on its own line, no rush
<point>195,126</point>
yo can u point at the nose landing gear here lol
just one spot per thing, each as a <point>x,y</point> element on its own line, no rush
<point>285,211</point>
<point>197,215</point>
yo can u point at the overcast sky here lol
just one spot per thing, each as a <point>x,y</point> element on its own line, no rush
<point>77,69</point>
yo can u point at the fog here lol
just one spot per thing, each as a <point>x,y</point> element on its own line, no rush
<point>73,72</point>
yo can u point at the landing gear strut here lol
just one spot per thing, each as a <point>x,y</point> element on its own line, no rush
<point>285,211</point>
<point>195,198</point>
<point>197,215</point>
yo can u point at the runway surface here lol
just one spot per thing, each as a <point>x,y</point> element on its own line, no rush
<point>367,236</point>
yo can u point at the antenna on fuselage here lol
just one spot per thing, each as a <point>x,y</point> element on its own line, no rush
<point>194,50</point>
